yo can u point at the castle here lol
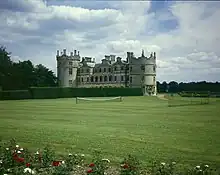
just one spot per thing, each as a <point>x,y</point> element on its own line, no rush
<point>72,71</point>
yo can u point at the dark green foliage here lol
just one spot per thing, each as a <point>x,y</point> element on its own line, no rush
<point>15,95</point>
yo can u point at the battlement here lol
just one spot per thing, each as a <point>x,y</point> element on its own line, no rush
<point>63,55</point>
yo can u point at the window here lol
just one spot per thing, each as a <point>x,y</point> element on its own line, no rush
<point>70,71</point>
<point>92,79</point>
<point>122,78</point>
<point>154,68</point>
<point>70,82</point>
<point>96,79</point>
<point>100,70</point>
<point>104,69</point>
<point>110,78</point>
<point>82,70</point>
<point>87,79</point>
<point>105,78</point>
<point>87,70</point>
<point>130,79</point>
<point>131,68</point>
<point>142,67</point>
<point>122,68</point>
<point>100,78</point>
<point>154,79</point>
<point>70,63</point>
<point>115,78</point>
<point>82,79</point>
<point>115,68</point>
<point>109,69</point>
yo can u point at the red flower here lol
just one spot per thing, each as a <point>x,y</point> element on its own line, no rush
<point>91,165</point>
<point>28,164</point>
<point>56,163</point>
<point>20,159</point>
<point>125,166</point>
<point>89,171</point>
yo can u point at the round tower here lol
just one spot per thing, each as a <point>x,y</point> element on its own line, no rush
<point>67,68</point>
<point>149,82</point>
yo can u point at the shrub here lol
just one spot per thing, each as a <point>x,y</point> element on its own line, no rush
<point>130,166</point>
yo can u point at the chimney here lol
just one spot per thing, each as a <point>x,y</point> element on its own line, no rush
<point>154,55</point>
<point>64,51</point>
<point>58,53</point>
<point>132,54</point>
<point>78,53</point>
<point>128,54</point>
<point>74,52</point>
<point>71,53</point>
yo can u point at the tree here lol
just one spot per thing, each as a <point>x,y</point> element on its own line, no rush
<point>23,74</point>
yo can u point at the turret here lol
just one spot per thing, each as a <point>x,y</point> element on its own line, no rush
<point>64,51</point>
<point>58,52</point>
<point>149,82</point>
<point>67,66</point>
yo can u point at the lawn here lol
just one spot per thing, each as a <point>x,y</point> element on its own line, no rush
<point>144,126</point>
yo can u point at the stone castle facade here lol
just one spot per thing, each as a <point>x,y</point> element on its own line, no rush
<point>140,72</point>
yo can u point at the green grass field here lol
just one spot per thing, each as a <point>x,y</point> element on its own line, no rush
<point>144,126</point>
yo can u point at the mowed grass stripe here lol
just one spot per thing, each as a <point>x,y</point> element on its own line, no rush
<point>141,125</point>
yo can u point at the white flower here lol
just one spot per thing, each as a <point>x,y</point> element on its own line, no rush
<point>197,166</point>
<point>19,152</point>
<point>78,166</point>
<point>200,170</point>
<point>163,163</point>
<point>0,161</point>
<point>17,146</point>
<point>70,154</point>
<point>206,166</point>
<point>9,170</point>
<point>28,170</point>
<point>107,160</point>
<point>63,162</point>
<point>21,149</point>
<point>37,153</point>
<point>5,174</point>
<point>82,155</point>
<point>7,149</point>
<point>174,163</point>
<point>76,154</point>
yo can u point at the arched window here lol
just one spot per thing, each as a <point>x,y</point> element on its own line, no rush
<point>104,69</point>
<point>105,78</point>
<point>100,78</point>
<point>100,70</point>
<point>122,67</point>
<point>115,68</point>
<point>110,78</point>
<point>115,78</point>
<point>109,69</point>
<point>87,79</point>
<point>96,79</point>
<point>82,79</point>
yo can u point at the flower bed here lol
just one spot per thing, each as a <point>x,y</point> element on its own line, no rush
<point>18,160</point>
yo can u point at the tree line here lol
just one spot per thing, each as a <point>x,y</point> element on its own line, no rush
<point>24,74</point>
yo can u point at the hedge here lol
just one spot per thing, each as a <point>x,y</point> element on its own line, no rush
<point>15,95</point>
<point>58,92</point>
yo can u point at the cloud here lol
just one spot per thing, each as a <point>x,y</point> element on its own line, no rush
<point>183,34</point>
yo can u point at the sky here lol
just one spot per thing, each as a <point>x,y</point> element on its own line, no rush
<point>184,34</point>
